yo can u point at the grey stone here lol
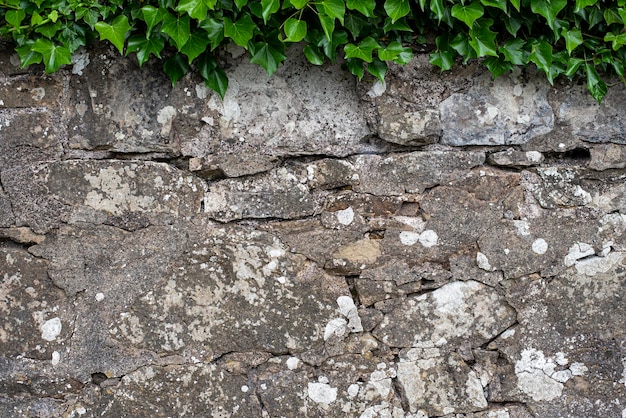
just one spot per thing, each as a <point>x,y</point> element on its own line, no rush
<point>239,291</point>
<point>439,384</point>
<point>276,194</point>
<point>28,136</point>
<point>515,158</point>
<point>299,110</point>
<point>592,122</point>
<point>501,112</point>
<point>411,172</point>
<point>607,156</point>
<point>93,191</point>
<point>29,92</point>
<point>6,212</point>
<point>446,317</point>
<point>196,390</point>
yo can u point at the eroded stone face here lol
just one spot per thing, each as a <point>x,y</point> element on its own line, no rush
<point>236,291</point>
<point>309,247</point>
<point>456,316</point>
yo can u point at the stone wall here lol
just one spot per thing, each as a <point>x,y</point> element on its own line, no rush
<point>442,245</point>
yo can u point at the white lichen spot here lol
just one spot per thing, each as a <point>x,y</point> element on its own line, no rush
<point>594,265</point>
<point>534,156</point>
<point>540,246</point>
<point>80,60</point>
<point>38,93</point>
<point>99,297</point>
<point>521,227</point>
<point>346,216</point>
<point>534,372</point>
<point>245,388</point>
<point>576,252</point>
<point>409,237</point>
<point>428,238</point>
<point>292,363</point>
<point>56,358</point>
<point>353,390</point>
<point>483,262</point>
<point>165,116</point>
<point>322,393</point>
<point>578,369</point>
<point>349,310</point>
<point>377,90</point>
<point>335,327</point>
<point>51,329</point>
<point>80,410</point>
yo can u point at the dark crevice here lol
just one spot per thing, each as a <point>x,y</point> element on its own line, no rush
<point>98,377</point>
<point>351,281</point>
<point>574,155</point>
<point>514,324</point>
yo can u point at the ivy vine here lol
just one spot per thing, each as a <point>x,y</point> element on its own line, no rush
<point>560,37</point>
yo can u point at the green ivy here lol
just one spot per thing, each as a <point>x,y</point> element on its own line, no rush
<point>561,38</point>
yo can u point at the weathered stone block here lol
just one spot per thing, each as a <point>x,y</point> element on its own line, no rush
<point>501,112</point>
<point>412,172</point>
<point>23,92</point>
<point>447,316</point>
<point>590,121</point>
<point>28,136</point>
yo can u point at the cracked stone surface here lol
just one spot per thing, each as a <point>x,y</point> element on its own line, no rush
<point>443,245</point>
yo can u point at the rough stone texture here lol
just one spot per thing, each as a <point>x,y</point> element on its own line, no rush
<point>441,245</point>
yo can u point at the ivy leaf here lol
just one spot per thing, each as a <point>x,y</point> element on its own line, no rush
<point>500,4</point>
<point>295,30</point>
<point>28,56</point>
<point>144,47</point>
<point>390,52</point>
<point>268,56</point>
<point>548,9</point>
<point>195,46</point>
<point>178,28</point>
<point>115,32</point>
<point>581,4</point>
<point>330,47</point>
<point>363,50</point>
<point>53,55</point>
<point>152,16</point>
<point>241,31</point>
<point>176,67</point>
<point>269,7</point>
<point>217,80</point>
<point>397,9</point>
<point>334,9</point>
<point>214,77</point>
<point>617,41</point>
<point>541,55</point>
<point>355,24</point>
<point>461,45</point>
<point>299,4</point>
<point>404,57</point>
<point>597,87</point>
<point>497,66</point>
<point>436,6</point>
<point>214,29</point>
<point>444,56</point>
<point>196,9</point>
<point>516,4</point>
<point>378,69</point>
<point>573,38</point>
<point>612,16</point>
<point>512,25</point>
<point>513,51</point>
<point>328,25</point>
<point>482,39</point>
<point>573,65</point>
<point>313,55</point>
<point>398,25</point>
<point>366,7</point>
<point>355,66</point>
<point>469,13</point>
<point>241,3</point>
<point>15,17</point>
